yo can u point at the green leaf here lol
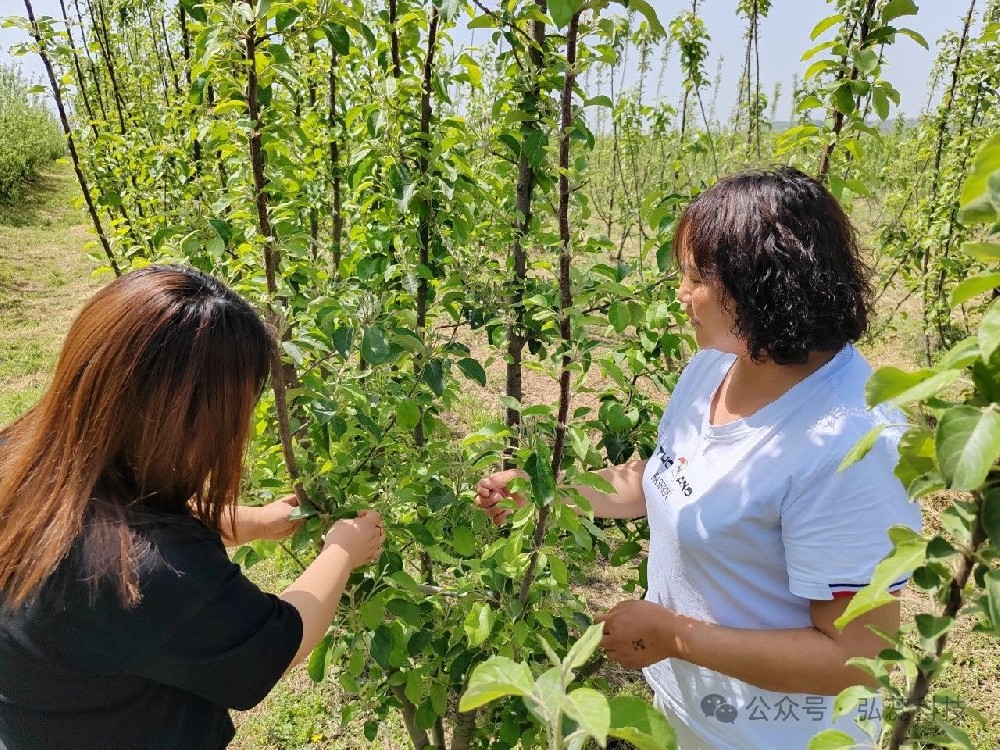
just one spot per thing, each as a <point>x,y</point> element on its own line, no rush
<point>343,337</point>
<point>472,370</point>
<point>988,252</point>
<point>843,99</point>
<point>637,722</point>
<point>647,12</point>
<point>848,698</point>
<point>899,387</point>
<point>967,440</point>
<point>866,60</point>
<point>375,346</point>
<point>543,484</point>
<point>601,100</point>
<point>319,659</point>
<point>881,103</point>
<point>463,540</point>
<point>961,355</point>
<point>195,10</point>
<point>625,552</point>
<point>382,646</point>
<point>898,8</point>
<point>484,21</point>
<point>977,200</point>
<point>832,739</point>
<point>818,66</point>
<point>932,627</point>
<point>340,41</point>
<point>992,596</point>
<point>407,414</point>
<point>860,449</point>
<point>562,11</point>
<point>285,17</point>
<point>584,648</point>
<point>548,694</point>
<point>991,516</point>
<point>496,678</point>
<point>425,717</point>
<point>372,612</point>
<point>825,24</point>
<point>449,8</point>
<point>973,286</point>
<point>405,610</point>
<point>594,480</point>
<point>434,376</point>
<point>989,331</point>
<point>479,624</point>
<point>954,738</point>
<point>906,555</point>
<point>559,571</point>
<point>812,52</point>
<point>590,710</point>
<point>915,36</point>
<point>619,316</point>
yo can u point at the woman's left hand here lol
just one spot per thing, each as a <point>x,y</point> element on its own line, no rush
<point>636,633</point>
<point>273,518</point>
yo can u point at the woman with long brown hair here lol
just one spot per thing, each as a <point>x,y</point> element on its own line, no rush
<point>123,623</point>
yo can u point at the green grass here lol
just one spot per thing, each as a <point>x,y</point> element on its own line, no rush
<point>299,713</point>
<point>45,276</point>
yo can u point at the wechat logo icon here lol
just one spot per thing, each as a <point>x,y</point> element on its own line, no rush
<point>717,706</point>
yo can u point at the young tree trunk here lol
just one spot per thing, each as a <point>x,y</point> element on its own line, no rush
<point>186,51</point>
<point>278,377</point>
<point>219,160</point>
<point>524,192</point>
<point>423,168</point>
<point>104,44</point>
<point>397,67</point>
<point>80,81</point>
<point>68,131</point>
<point>91,66</point>
<point>338,215</point>
<point>921,686</point>
<point>838,119</point>
<point>942,134</point>
<point>565,294</point>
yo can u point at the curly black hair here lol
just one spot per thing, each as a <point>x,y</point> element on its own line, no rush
<point>786,258</point>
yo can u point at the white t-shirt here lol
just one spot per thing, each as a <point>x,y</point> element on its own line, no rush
<point>751,520</point>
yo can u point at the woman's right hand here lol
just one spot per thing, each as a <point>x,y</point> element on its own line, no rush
<point>362,537</point>
<point>492,489</point>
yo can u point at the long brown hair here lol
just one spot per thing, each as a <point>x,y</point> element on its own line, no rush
<point>149,408</point>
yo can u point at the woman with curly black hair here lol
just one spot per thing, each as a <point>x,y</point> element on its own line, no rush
<point>757,540</point>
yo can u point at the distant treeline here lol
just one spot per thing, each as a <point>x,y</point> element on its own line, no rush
<point>30,137</point>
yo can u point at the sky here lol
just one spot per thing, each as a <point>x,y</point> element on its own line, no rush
<point>784,36</point>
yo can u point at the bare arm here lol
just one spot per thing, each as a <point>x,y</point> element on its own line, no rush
<point>264,522</point>
<point>795,660</point>
<point>627,501</point>
<point>316,593</point>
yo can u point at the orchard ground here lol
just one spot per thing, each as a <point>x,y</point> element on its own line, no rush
<point>46,276</point>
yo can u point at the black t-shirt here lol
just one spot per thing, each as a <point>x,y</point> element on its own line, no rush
<point>158,676</point>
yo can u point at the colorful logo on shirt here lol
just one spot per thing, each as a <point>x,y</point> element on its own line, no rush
<point>717,706</point>
<point>672,468</point>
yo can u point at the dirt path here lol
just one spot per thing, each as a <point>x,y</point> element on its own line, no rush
<point>45,277</point>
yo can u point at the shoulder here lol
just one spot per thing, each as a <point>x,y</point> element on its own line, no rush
<point>179,554</point>
<point>843,415</point>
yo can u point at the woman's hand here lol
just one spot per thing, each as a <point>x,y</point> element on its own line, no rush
<point>636,633</point>
<point>361,538</point>
<point>273,518</point>
<point>492,489</point>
